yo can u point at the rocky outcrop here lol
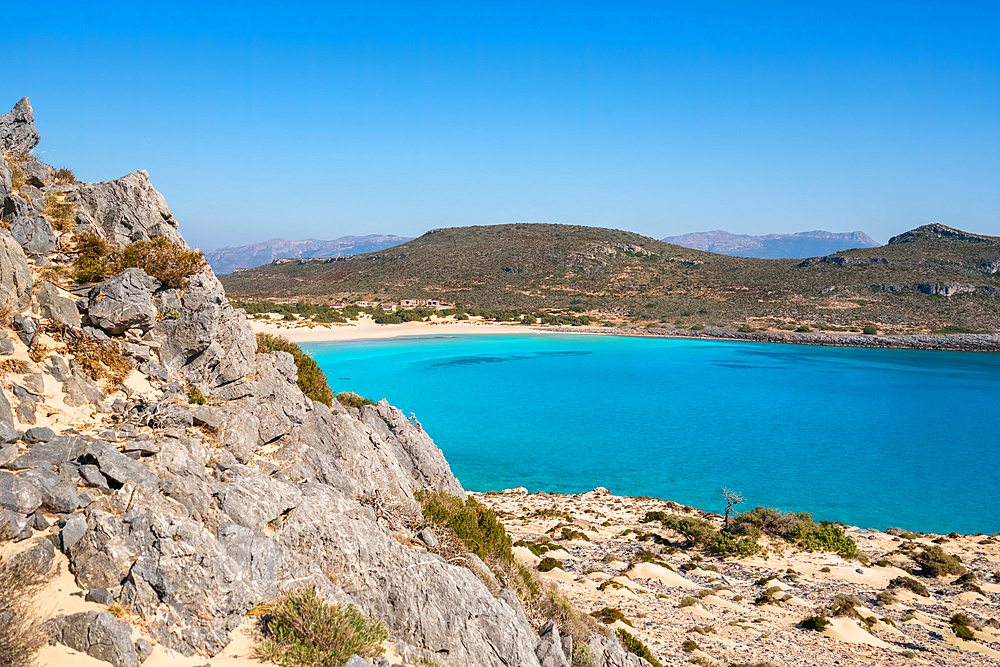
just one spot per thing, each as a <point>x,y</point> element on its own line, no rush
<point>126,210</point>
<point>123,302</point>
<point>52,305</point>
<point>99,635</point>
<point>15,275</point>
<point>17,129</point>
<point>34,233</point>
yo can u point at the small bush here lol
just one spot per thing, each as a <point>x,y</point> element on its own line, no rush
<point>911,585</point>
<point>727,544</point>
<point>803,329</point>
<point>686,602</point>
<point>870,330</point>
<point>64,176</point>
<point>828,537</point>
<point>167,262</point>
<point>817,623</point>
<point>102,360</point>
<point>885,598</point>
<point>698,326</point>
<point>548,564</point>
<point>195,397</point>
<point>936,563</point>
<point>473,523</point>
<point>689,646</point>
<point>351,400</point>
<point>767,597</point>
<point>843,605</point>
<point>696,532</point>
<point>633,645</point>
<point>961,625</point>
<point>305,631</point>
<point>312,379</point>
<point>570,534</point>
<point>609,615</point>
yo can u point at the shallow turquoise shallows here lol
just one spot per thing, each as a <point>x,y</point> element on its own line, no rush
<point>873,438</point>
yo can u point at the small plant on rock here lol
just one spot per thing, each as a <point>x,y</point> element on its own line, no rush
<point>351,400</point>
<point>633,645</point>
<point>312,379</point>
<point>817,623</point>
<point>305,631</point>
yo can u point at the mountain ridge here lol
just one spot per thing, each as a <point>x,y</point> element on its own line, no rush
<point>773,246</point>
<point>226,259</point>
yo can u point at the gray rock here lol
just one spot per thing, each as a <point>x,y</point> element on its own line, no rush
<point>38,521</point>
<point>18,495</point>
<point>8,433</point>
<point>15,274</point>
<point>6,346</point>
<point>25,411</point>
<point>73,531</point>
<point>35,173</point>
<point>8,453</point>
<point>54,306</point>
<point>99,635</point>
<point>428,537</point>
<point>550,650</point>
<point>608,652</point>
<point>127,210</point>
<point>123,302</point>
<point>257,556</point>
<point>155,371</point>
<point>57,450</point>
<point>240,435</point>
<point>6,187</point>
<point>172,416</point>
<point>17,129</point>
<point>100,596</point>
<point>211,418</point>
<point>58,495</point>
<point>35,383</point>
<point>39,434</point>
<point>6,414</point>
<point>39,556</point>
<point>117,467</point>
<point>34,233</point>
<point>13,521</point>
<point>143,649</point>
<point>357,661</point>
<point>254,500</point>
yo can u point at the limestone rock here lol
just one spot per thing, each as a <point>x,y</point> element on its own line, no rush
<point>254,500</point>
<point>126,210</point>
<point>17,129</point>
<point>6,187</point>
<point>34,233</point>
<point>53,306</point>
<point>18,495</point>
<point>550,650</point>
<point>15,275</point>
<point>117,467</point>
<point>99,635</point>
<point>123,302</point>
<point>35,173</point>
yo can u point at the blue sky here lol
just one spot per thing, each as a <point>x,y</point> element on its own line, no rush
<point>326,120</point>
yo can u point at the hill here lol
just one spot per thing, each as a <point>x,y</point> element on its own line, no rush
<point>225,260</point>
<point>773,246</point>
<point>930,278</point>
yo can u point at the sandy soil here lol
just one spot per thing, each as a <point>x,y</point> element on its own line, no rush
<point>366,329</point>
<point>665,603</point>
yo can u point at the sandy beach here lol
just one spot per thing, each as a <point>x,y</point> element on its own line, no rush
<point>366,329</point>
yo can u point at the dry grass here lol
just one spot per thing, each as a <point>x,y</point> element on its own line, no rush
<point>169,263</point>
<point>22,633</point>
<point>102,360</point>
<point>16,367</point>
<point>58,211</point>
<point>64,176</point>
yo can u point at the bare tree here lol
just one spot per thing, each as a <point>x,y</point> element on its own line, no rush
<point>732,499</point>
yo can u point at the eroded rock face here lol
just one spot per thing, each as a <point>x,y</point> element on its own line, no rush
<point>17,129</point>
<point>15,275</point>
<point>123,302</point>
<point>126,210</point>
<point>53,306</point>
<point>34,233</point>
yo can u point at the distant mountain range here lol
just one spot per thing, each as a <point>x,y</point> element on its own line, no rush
<point>225,260</point>
<point>773,246</point>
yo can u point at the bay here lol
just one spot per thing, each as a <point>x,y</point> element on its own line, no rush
<point>869,437</point>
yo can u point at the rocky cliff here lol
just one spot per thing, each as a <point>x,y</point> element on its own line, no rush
<point>188,514</point>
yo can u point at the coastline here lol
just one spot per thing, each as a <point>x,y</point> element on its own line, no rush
<point>366,329</point>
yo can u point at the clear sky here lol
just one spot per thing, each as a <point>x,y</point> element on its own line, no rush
<point>296,121</point>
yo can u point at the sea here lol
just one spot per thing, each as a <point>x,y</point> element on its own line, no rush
<point>868,437</point>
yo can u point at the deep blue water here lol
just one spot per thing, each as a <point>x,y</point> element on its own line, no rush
<point>873,438</point>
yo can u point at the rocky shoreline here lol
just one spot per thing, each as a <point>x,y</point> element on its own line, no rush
<point>950,342</point>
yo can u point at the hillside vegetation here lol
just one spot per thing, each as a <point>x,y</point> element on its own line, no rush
<point>931,278</point>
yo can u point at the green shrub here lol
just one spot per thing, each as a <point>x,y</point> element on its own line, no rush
<point>312,379</point>
<point>698,326</point>
<point>686,602</point>
<point>696,532</point>
<point>870,330</point>
<point>195,396</point>
<point>351,400</point>
<point>885,598</point>
<point>936,563</point>
<point>609,615</point>
<point>817,623</point>
<point>961,625</point>
<point>689,646</point>
<point>473,523</point>
<point>549,563</point>
<point>169,263</point>
<point>727,544</point>
<point>633,645</point>
<point>911,585</point>
<point>767,597</point>
<point>843,605</point>
<point>303,630</point>
<point>570,534</point>
<point>828,537</point>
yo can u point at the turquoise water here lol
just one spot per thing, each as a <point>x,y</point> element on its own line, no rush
<point>873,438</point>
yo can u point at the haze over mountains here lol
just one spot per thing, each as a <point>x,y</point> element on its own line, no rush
<point>225,260</point>
<point>773,246</point>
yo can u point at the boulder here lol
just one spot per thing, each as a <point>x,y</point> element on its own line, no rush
<point>254,500</point>
<point>126,210</point>
<point>18,495</point>
<point>256,555</point>
<point>6,187</point>
<point>73,531</point>
<point>15,275</point>
<point>58,495</point>
<point>100,635</point>
<point>39,434</point>
<point>52,305</point>
<point>6,415</point>
<point>118,468</point>
<point>35,173</point>
<point>34,233</point>
<point>17,129</point>
<point>123,302</point>
<point>550,648</point>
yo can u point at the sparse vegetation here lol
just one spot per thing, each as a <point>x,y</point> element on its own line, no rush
<point>548,564</point>
<point>817,623</point>
<point>633,645</point>
<point>195,396</point>
<point>909,584</point>
<point>351,400</point>
<point>936,563</point>
<point>312,379</point>
<point>303,630</point>
<point>609,615</point>
<point>171,264</point>
<point>22,633</point>
<point>102,360</point>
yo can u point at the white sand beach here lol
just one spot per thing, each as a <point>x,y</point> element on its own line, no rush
<point>366,329</point>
